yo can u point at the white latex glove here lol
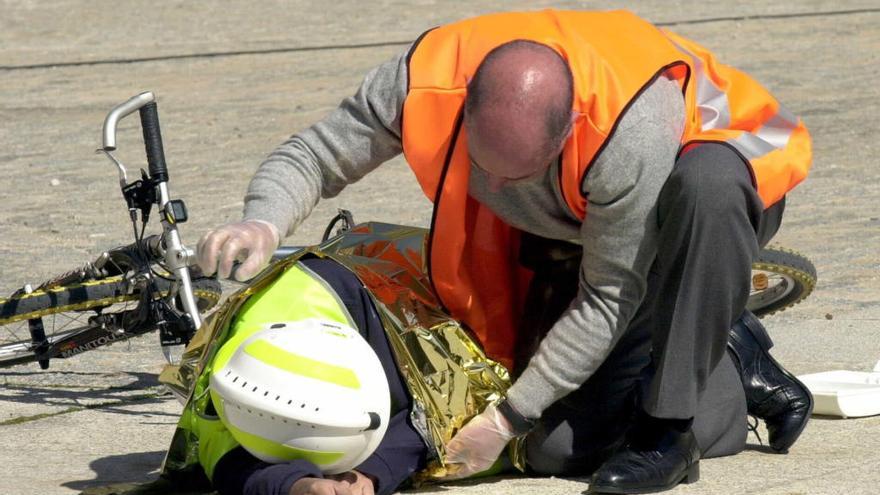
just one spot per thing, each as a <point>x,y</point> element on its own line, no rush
<point>252,241</point>
<point>477,446</point>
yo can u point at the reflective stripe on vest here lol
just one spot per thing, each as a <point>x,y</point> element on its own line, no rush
<point>771,139</point>
<point>297,294</point>
<point>613,56</point>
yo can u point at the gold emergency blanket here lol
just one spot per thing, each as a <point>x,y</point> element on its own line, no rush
<point>447,373</point>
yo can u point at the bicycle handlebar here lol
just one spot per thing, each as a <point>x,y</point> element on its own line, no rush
<point>146,103</point>
<point>121,111</point>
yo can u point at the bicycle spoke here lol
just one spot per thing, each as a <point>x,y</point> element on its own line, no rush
<point>14,335</point>
<point>57,329</point>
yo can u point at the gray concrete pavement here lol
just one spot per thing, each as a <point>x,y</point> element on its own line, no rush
<point>221,114</point>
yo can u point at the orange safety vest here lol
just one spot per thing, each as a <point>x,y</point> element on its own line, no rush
<point>613,57</point>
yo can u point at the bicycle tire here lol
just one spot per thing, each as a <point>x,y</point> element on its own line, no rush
<point>781,278</point>
<point>73,302</point>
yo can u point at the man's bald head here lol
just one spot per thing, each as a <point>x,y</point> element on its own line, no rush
<point>518,109</point>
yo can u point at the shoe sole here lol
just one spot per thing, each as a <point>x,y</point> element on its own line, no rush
<point>765,344</point>
<point>692,475</point>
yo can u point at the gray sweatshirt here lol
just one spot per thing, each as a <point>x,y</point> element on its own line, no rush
<point>619,234</point>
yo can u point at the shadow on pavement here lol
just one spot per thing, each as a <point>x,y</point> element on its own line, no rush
<point>764,449</point>
<point>134,467</point>
<point>185,485</point>
<point>58,395</point>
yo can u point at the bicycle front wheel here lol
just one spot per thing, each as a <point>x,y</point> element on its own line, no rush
<point>67,314</point>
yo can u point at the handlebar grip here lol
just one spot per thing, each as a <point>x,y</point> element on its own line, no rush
<point>153,142</point>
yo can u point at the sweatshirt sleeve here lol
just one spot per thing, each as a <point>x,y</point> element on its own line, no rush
<point>355,138</point>
<point>619,237</point>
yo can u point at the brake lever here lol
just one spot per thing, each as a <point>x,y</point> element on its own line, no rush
<point>123,174</point>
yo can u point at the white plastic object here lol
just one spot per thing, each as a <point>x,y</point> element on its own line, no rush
<point>311,389</point>
<point>843,393</point>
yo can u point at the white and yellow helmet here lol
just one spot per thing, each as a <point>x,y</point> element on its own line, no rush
<point>310,389</point>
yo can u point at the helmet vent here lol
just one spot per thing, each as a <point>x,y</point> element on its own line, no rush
<point>278,325</point>
<point>267,393</point>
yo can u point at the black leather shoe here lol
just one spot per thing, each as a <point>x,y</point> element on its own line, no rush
<point>772,393</point>
<point>649,465</point>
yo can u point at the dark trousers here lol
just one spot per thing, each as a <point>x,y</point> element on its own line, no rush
<point>671,362</point>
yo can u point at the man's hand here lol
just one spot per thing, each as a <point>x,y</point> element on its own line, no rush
<point>254,241</point>
<point>319,486</point>
<point>477,446</point>
<point>358,483</point>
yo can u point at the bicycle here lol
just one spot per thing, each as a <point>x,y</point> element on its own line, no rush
<point>147,285</point>
<point>127,291</point>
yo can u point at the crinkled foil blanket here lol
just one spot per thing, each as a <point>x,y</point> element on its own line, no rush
<point>448,375</point>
